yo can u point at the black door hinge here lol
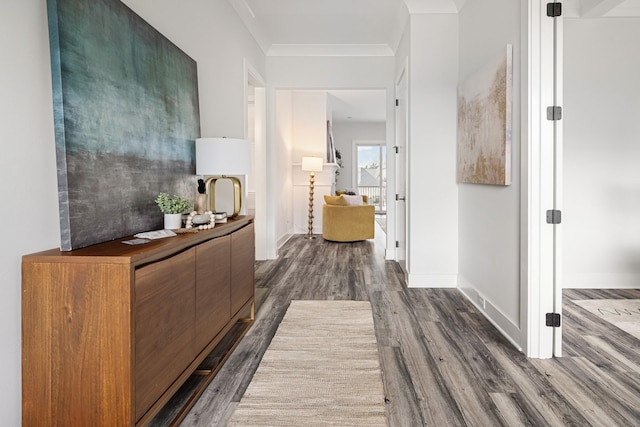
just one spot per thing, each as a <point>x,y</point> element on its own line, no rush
<point>397,244</point>
<point>553,320</point>
<point>554,9</point>
<point>397,102</point>
<point>554,216</point>
<point>554,113</point>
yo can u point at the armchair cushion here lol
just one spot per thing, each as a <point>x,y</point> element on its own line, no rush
<point>353,200</point>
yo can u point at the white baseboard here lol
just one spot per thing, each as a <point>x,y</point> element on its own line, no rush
<point>284,239</point>
<point>417,280</point>
<point>510,330</point>
<point>390,254</point>
<point>601,281</point>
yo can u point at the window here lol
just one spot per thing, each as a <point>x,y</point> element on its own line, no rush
<point>371,173</point>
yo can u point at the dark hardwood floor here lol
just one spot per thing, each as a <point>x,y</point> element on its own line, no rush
<point>443,363</point>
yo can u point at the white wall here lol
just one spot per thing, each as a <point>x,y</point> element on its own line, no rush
<point>208,31</point>
<point>309,125</point>
<point>489,216</point>
<point>432,200</point>
<point>28,175</point>
<point>344,134</point>
<point>283,158</point>
<point>601,215</point>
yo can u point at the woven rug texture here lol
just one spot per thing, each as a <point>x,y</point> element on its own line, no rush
<point>321,369</point>
<point>623,313</point>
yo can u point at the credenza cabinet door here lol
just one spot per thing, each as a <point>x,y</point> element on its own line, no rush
<point>242,268</point>
<point>213,291</point>
<point>165,299</point>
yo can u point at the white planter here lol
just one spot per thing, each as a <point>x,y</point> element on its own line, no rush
<point>172,221</point>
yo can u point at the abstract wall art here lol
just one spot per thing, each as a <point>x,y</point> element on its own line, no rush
<point>484,123</point>
<point>126,112</point>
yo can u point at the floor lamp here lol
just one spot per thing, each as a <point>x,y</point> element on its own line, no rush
<point>311,165</point>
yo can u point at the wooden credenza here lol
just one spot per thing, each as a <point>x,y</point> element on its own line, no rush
<point>111,331</point>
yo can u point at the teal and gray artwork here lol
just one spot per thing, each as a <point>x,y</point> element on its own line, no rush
<point>126,112</point>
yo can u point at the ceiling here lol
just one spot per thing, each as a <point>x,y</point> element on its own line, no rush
<point>363,106</point>
<point>365,27</point>
<point>369,27</point>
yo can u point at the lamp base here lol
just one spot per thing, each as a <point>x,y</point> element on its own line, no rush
<point>210,185</point>
<point>309,236</point>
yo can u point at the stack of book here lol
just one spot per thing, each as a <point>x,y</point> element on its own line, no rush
<point>220,217</point>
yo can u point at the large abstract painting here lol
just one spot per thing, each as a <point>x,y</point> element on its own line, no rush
<point>126,112</point>
<point>484,123</point>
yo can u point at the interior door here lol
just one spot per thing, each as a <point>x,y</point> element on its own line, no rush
<point>401,171</point>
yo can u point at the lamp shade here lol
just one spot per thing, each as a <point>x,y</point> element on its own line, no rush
<point>223,156</point>
<point>312,164</point>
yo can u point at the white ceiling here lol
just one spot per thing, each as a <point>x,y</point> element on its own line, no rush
<point>364,106</point>
<point>344,26</point>
<point>352,27</point>
<point>365,27</point>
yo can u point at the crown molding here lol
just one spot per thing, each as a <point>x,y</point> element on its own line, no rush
<point>330,50</point>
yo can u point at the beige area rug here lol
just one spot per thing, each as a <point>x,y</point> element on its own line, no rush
<point>321,369</point>
<point>623,313</point>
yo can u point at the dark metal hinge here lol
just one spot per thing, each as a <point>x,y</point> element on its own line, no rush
<point>554,9</point>
<point>554,216</point>
<point>553,320</point>
<point>397,244</point>
<point>554,113</point>
<point>397,102</point>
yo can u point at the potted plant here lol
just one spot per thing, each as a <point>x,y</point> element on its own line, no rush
<point>173,207</point>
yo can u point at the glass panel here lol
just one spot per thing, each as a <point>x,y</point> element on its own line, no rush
<point>372,174</point>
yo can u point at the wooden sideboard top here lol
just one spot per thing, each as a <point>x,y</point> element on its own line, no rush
<point>116,252</point>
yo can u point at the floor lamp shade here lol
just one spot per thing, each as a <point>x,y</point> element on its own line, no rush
<point>312,164</point>
<point>220,158</point>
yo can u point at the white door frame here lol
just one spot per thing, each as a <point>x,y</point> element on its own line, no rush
<point>541,174</point>
<point>402,219</point>
<point>259,180</point>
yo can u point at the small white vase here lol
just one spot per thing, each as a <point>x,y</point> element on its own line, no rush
<point>172,221</point>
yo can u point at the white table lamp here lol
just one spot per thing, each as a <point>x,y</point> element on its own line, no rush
<point>220,158</point>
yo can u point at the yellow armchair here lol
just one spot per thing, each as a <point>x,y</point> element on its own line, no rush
<point>346,223</point>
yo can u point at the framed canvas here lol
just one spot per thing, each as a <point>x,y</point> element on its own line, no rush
<point>484,123</point>
<point>126,111</point>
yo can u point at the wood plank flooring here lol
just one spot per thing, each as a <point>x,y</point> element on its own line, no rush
<point>443,363</point>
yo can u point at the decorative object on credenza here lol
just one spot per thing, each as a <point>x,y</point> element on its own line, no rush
<point>220,217</point>
<point>126,115</point>
<point>223,158</point>
<point>173,207</point>
<point>201,197</point>
<point>204,221</point>
<point>311,165</point>
<point>484,123</point>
